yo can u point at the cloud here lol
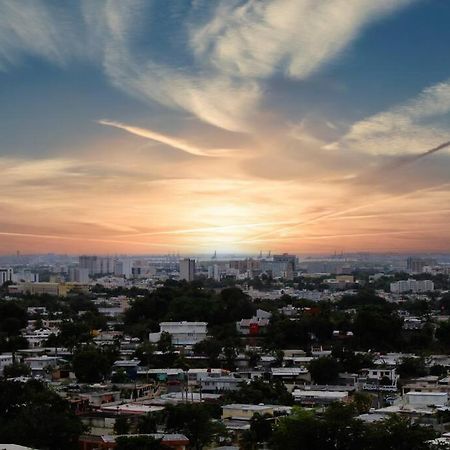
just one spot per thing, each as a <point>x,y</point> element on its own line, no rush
<point>236,50</point>
<point>210,96</point>
<point>230,54</point>
<point>295,37</point>
<point>164,139</point>
<point>33,27</point>
<point>408,128</point>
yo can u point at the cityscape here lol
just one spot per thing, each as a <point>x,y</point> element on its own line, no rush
<point>224,225</point>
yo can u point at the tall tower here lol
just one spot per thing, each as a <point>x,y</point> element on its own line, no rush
<point>187,269</point>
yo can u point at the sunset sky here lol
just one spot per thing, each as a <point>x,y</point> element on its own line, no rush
<point>190,126</point>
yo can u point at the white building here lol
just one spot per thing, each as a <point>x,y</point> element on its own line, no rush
<point>412,285</point>
<point>224,383</point>
<point>39,364</point>
<point>37,338</point>
<point>425,399</point>
<point>382,379</point>
<point>316,397</point>
<point>182,333</point>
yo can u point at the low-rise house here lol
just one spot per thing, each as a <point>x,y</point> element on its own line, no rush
<point>6,359</point>
<point>421,407</point>
<point>426,399</point>
<point>220,384</point>
<point>307,397</point>
<point>38,338</point>
<point>163,375</point>
<point>129,366</point>
<point>175,398</point>
<point>184,334</point>
<point>413,323</point>
<point>131,408</point>
<point>174,441</point>
<point>256,325</point>
<point>378,379</point>
<point>39,365</point>
<point>100,397</point>
<point>290,374</point>
<point>241,411</point>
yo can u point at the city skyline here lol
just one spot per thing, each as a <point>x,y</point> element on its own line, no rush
<point>195,126</point>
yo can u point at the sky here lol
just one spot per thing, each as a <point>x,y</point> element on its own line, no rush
<point>159,126</point>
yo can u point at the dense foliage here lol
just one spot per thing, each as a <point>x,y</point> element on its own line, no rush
<point>32,415</point>
<point>338,429</point>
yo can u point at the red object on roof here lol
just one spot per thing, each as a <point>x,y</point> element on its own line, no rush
<point>254,329</point>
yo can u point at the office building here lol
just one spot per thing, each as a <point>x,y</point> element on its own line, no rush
<point>187,269</point>
<point>79,275</point>
<point>123,268</point>
<point>412,285</point>
<point>97,265</point>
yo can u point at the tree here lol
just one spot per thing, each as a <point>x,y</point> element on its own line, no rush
<point>230,352</point>
<point>301,427</point>
<point>260,391</point>
<point>13,343</point>
<point>91,365</point>
<point>210,348</point>
<point>16,370</point>
<point>260,431</point>
<point>32,415</point>
<point>193,420</point>
<point>397,433</point>
<point>443,333</point>
<point>138,443</point>
<point>147,424</point>
<point>444,303</point>
<point>412,367</point>
<point>352,362</point>
<point>13,317</point>
<point>121,425</point>
<point>338,429</point>
<point>253,358</point>
<point>324,370</point>
<point>376,328</point>
<point>73,333</point>
<point>120,376</point>
<point>145,352</point>
<point>165,342</point>
<point>362,402</point>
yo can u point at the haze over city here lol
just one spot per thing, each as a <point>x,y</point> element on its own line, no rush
<point>195,126</point>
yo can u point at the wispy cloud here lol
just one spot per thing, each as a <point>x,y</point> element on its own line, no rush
<point>234,49</point>
<point>295,37</point>
<point>406,128</point>
<point>35,28</point>
<point>176,143</point>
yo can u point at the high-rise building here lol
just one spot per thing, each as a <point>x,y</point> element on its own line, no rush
<point>123,268</point>
<point>6,274</point>
<point>412,285</point>
<point>79,275</point>
<point>187,269</point>
<point>96,265</point>
<point>416,265</point>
